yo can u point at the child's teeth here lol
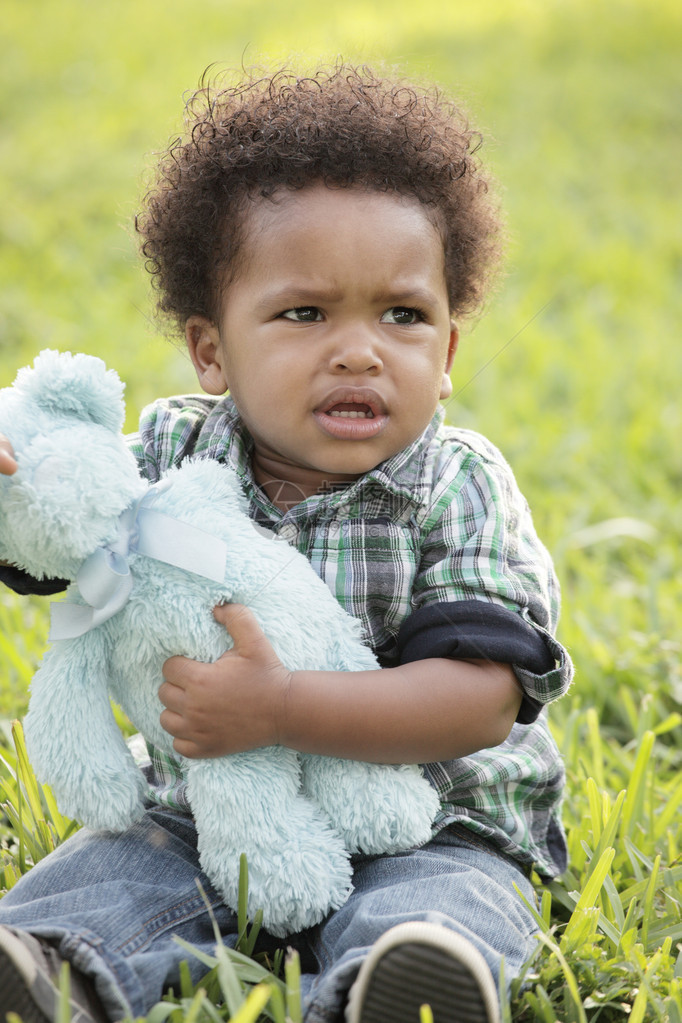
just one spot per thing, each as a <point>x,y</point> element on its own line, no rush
<point>351,415</point>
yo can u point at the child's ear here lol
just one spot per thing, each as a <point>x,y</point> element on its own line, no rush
<point>446,385</point>
<point>203,343</point>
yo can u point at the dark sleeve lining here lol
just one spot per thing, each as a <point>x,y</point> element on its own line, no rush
<point>466,629</point>
<point>23,583</point>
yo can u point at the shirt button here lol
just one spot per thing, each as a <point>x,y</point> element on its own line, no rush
<point>289,532</point>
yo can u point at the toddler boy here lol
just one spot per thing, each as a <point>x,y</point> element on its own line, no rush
<point>314,238</point>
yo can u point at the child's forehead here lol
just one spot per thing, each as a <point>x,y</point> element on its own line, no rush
<point>319,244</point>
<point>335,211</point>
<point>319,195</point>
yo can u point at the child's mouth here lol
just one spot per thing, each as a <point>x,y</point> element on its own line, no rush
<point>352,416</point>
<point>348,410</point>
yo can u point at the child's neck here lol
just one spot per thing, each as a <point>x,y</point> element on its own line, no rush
<point>287,485</point>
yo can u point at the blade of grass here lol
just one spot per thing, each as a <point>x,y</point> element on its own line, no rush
<point>569,976</point>
<point>160,1012</point>
<point>634,801</point>
<point>242,898</point>
<point>292,978</point>
<point>254,1005</point>
<point>229,981</point>
<point>614,902</point>
<point>277,1007</point>
<point>648,907</point>
<point>590,893</point>
<point>63,1008</point>
<point>248,931</point>
<point>195,1006</point>
<point>608,835</point>
<point>25,772</point>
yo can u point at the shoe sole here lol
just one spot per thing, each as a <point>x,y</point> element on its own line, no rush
<point>23,989</point>
<point>417,964</point>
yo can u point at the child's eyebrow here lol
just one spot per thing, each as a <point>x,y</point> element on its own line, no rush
<point>408,294</point>
<point>298,294</point>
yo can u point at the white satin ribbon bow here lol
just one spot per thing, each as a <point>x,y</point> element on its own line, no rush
<point>104,580</point>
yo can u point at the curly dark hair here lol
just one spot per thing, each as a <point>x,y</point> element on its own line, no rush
<point>343,126</point>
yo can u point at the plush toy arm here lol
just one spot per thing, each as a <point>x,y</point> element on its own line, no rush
<point>73,740</point>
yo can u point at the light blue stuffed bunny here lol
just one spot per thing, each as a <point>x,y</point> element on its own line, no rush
<point>149,564</point>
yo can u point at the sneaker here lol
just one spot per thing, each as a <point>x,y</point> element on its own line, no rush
<point>29,982</point>
<point>417,964</point>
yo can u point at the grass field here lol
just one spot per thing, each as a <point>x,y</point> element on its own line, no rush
<point>574,371</point>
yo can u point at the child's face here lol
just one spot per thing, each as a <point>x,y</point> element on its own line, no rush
<point>334,338</point>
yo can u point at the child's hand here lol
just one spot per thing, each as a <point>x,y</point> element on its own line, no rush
<point>232,704</point>
<point>8,463</point>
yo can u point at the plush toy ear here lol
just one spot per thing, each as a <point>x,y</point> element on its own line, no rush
<point>77,385</point>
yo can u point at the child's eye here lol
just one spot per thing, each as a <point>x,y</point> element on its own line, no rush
<point>402,315</point>
<point>303,314</point>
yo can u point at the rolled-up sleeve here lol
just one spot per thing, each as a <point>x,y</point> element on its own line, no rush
<point>21,582</point>
<point>485,586</point>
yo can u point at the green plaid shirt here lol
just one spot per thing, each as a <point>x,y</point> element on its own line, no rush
<point>441,521</point>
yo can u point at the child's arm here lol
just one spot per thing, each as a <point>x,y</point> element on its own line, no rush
<point>435,709</point>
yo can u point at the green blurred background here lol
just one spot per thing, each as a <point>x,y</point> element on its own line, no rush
<point>574,370</point>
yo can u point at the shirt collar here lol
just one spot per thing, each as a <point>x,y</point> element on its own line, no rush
<point>224,438</point>
<point>403,473</point>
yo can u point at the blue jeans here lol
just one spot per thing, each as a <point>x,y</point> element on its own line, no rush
<point>111,904</point>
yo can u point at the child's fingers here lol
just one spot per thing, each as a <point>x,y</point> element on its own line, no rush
<point>241,624</point>
<point>173,723</point>
<point>178,672</point>
<point>8,463</point>
<point>173,697</point>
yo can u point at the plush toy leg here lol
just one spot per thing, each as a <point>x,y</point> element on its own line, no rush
<point>74,742</point>
<point>376,807</point>
<point>250,803</point>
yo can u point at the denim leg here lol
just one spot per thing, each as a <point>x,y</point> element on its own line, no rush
<point>454,880</point>
<point>111,904</point>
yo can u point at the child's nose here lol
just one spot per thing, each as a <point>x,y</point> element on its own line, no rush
<point>356,352</point>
